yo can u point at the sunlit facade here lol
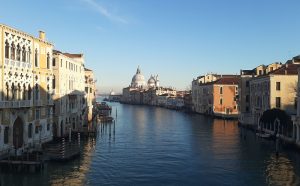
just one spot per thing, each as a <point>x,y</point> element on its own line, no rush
<point>26,90</point>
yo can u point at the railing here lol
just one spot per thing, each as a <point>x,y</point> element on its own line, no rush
<point>50,102</point>
<point>15,104</point>
<point>6,61</point>
<point>37,102</point>
<point>15,63</point>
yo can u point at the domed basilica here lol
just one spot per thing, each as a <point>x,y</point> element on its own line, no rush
<point>138,81</point>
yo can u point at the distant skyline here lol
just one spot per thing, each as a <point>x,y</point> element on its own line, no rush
<point>178,40</point>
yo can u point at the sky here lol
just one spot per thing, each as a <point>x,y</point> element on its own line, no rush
<point>176,39</point>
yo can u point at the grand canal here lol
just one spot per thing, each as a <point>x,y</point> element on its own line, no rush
<point>156,146</point>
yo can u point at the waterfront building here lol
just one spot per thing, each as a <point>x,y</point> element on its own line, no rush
<point>197,92</point>
<point>276,89</point>
<point>188,103</point>
<point>26,91</point>
<point>90,93</point>
<point>140,92</point>
<point>245,116</point>
<point>70,104</point>
<point>216,95</point>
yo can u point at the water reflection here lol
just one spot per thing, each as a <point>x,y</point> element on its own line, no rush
<point>156,146</point>
<point>280,171</point>
<point>74,172</point>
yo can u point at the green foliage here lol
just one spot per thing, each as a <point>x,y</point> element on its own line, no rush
<point>269,116</point>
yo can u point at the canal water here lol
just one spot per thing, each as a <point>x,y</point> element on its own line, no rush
<point>157,146</point>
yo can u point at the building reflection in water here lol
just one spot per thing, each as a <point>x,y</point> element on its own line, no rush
<point>280,171</point>
<point>74,172</point>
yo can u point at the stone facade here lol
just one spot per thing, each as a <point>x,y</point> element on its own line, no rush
<point>70,104</point>
<point>26,90</point>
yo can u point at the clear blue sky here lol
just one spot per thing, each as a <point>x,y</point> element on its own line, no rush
<point>177,39</point>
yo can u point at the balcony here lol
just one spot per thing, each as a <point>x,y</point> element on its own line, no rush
<point>37,103</point>
<point>15,104</point>
<point>16,64</point>
<point>50,102</point>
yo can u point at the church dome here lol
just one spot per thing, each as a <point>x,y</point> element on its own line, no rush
<point>138,80</point>
<point>151,82</point>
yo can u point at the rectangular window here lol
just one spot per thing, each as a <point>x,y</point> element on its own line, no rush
<point>87,90</point>
<point>37,114</point>
<point>247,98</point>
<point>277,85</point>
<point>6,130</point>
<point>278,102</point>
<point>221,101</point>
<point>36,129</point>
<point>221,90</point>
<point>247,109</point>
<point>30,130</point>
<point>247,83</point>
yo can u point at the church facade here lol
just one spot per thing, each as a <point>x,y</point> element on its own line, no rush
<point>142,92</point>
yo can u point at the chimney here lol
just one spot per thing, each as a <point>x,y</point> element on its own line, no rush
<point>42,35</point>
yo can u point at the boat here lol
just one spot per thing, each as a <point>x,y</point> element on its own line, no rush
<point>263,135</point>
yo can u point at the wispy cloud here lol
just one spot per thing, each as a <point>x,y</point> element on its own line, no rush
<point>105,12</point>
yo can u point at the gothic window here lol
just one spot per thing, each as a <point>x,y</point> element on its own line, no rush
<point>13,91</point>
<point>48,61</point>
<point>36,92</point>
<point>13,51</point>
<point>53,83</point>
<point>23,54</point>
<point>19,91</point>
<point>6,49</point>
<point>53,62</point>
<point>29,55</point>
<point>36,58</point>
<point>30,130</point>
<point>29,92</point>
<point>7,91</point>
<point>24,92</point>
<point>6,130</point>
<point>18,53</point>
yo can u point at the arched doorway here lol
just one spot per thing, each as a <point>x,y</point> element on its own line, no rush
<point>18,133</point>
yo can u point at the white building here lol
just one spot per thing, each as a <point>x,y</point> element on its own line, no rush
<point>70,105</point>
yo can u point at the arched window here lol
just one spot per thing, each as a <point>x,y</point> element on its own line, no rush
<point>6,49</point>
<point>30,130</point>
<point>36,58</point>
<point>23,54</point>
<point>36,92</point>
<point>48,61</point>
<point>13,51</point>
<point>18,53</point>
<point>29,55</point>
<point>19,91</point>
<point>29,93</point>
<point>6,130</point>
<point>13,91</point>
<point>7,91</point>
<point>53,82</point>
<point>24,92</point>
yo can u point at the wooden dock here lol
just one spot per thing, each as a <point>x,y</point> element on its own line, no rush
<point>61,151</point>
<point>29,162</point>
